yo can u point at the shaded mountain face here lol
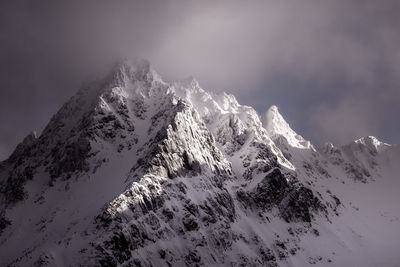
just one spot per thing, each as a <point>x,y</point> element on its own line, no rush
<point>134,171</point>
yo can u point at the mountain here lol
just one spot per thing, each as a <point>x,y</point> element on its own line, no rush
<point>135,171</point>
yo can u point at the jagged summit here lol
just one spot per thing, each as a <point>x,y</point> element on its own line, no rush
<point>277,126</point>
<point>132,75</point>
<point>370,142</point>
<point>132,67</point>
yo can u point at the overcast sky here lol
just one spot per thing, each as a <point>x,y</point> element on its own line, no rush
<point>332,67</point>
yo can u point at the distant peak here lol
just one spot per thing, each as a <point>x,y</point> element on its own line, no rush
<point>368,140</point>
<point>371,142</point>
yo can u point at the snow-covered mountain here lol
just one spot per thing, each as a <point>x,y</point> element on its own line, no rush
<point>135,171</point>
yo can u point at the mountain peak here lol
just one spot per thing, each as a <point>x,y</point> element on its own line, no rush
<point>274,122</point>
<point>126,71</point>
<point>371,142</point>
<point>277,126</point>
<point>126,64</point>
<point>136,171</point>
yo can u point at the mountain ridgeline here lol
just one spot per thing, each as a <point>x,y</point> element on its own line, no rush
<point>135,171</point>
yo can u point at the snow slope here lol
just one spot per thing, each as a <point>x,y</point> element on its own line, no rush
<point>134,171</point>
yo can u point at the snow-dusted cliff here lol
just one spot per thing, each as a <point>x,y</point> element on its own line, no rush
<point>134,171</point>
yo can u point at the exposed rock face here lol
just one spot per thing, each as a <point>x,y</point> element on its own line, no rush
<point>133,171</point>
<point>294,201</point>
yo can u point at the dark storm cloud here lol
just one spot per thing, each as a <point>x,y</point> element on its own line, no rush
<point>332,67</point>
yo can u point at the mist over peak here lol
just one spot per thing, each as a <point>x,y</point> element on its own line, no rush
<point>336,62</point>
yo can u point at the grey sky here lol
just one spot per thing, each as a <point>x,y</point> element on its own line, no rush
<point>332,67</point>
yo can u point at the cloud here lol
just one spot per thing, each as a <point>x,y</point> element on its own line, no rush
<point>309,40</point>
<point>300,55</point>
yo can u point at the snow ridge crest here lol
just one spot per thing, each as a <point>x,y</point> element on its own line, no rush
<point>277,126</point>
